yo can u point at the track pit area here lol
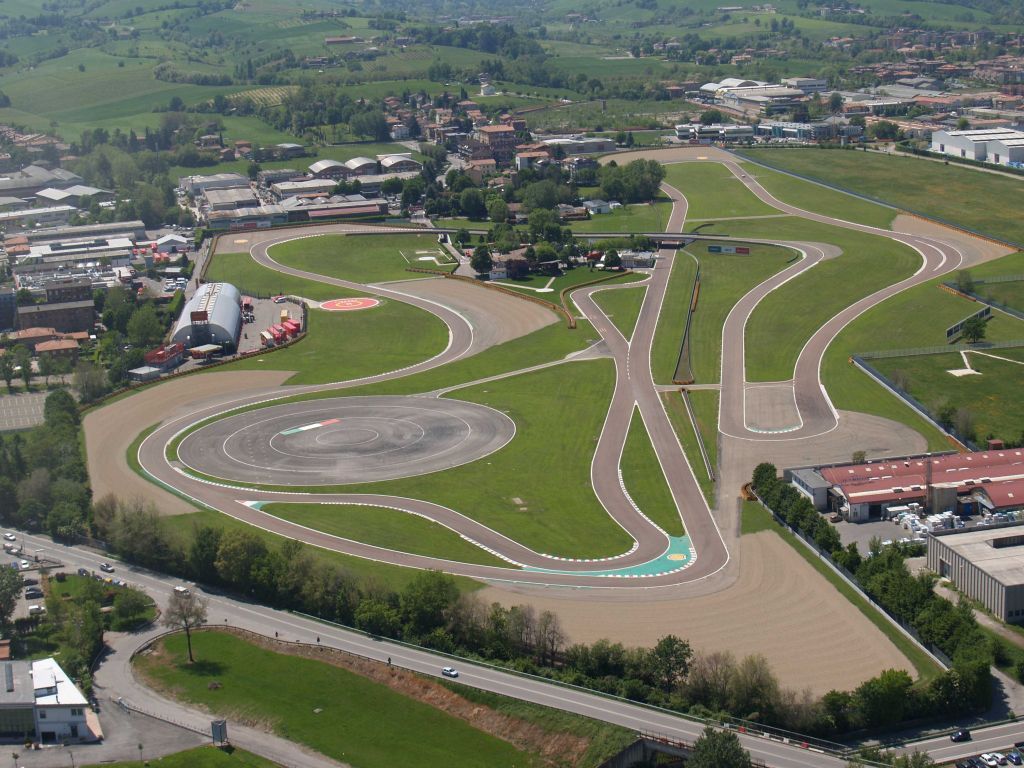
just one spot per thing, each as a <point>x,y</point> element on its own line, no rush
<point>345,440</point>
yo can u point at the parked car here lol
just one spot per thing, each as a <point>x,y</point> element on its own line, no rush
<point>10,537</point>
<point>450,672</point>
<point>106,567</point>
<point>25,564</point>
<point>1000,758</point>
<point>83,571</point>
<point>1015,757</point>
<point>35,610</point>
<point>184,591</point>
<point>961,735</point>
<point>989,758</point>
<point>33,593</point>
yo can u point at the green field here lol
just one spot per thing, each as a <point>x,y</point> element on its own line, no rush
<point>568,279</point>
<point>917,317</point>
<point>338,345</point>
<point>724,280</point>
<point>1010,294</point>
<point>775,332</point>
<point>644,217</point>
<point>937,190</point>
<point>369,723</point>
<point>713,192</point>
<point>363,259</point>
<point>705,410</point>
<point>622,305</point>
<point>992,398</point>
<point>645,481</point>
<point>346,345</point>
<point>676,409</point>
<point>383,527</point>
<point>672,321</point>
<point>200,757</point>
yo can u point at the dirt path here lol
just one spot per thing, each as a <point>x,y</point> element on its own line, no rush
<point>111,429</point>
<point>779,606</point>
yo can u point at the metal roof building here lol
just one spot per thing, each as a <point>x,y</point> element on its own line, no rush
<point>212,316</point>
<point>1001,146</point>
<point>985,563</point>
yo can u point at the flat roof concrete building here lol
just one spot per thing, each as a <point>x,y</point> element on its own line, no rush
<point>229,199</point>
<point>1001,146</point>
<point>986,564</point>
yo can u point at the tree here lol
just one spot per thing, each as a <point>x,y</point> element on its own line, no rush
<point>90,381</point>
<point>7,369</point>
<point>835,102</point>
<point>670,662</point>
<point>964,281</point>
<point>60,408</point>
<point>718,749</point>
<point>481,260</point>
<point>10,591</point>
<point>710,117</point>
<point>885,130</point>
<point>497,209</point>
<point>144,327</point>
<point>974,329</point>
<point>237,556</point>
<point>23,360</point>
<point>186,612</point>
<point>472,203</point>
<point>612,260</point>
<point>963,124</point>
<point>130,603</point>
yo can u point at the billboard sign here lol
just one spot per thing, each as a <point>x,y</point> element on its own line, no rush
<point>954,330</point>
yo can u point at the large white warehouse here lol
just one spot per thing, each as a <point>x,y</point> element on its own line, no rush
<point>212,316</point>
<point>1002,146</point>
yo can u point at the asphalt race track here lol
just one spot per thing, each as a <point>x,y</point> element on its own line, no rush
<point>378,443</point>
<point>345,440</point>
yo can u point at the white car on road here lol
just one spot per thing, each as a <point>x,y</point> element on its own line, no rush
<point>10,537</point>
<point>450,672</point>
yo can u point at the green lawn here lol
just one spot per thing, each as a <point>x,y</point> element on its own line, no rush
<point>993,398</point>
<point>917,317</point>
<point>568,279</point>
<point>622,305</point>
<point>816,198</point>
<point>329,709</point>
<point>724,280</point>
<point>363,259</point>
<point>672,322</point>
<point>713,192</point>
<point>645,481</point>
<point>339,345</point>
<point>1008,294</point>
<point>561,516</point>
<point>347,345</point>
<point>676,409</point>
<point>776,331</point>
<point>200,757</point>
<point>705,410</point>
<point>383,527</point>
<point>548,470</point>
<point>240,270</point>
<point>937,189</point>
<point>644,217</point>
<point>756,518</point>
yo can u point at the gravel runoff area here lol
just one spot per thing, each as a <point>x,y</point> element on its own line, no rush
<point>778,607</point>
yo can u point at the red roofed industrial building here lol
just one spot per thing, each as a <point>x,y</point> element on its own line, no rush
<point>862,492</point>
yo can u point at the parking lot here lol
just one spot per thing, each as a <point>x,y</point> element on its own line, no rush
<point>267,313</point>
<point>21,410</point>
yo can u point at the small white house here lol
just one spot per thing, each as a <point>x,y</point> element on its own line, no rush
<point>38,702</point>
<point>597,206</point>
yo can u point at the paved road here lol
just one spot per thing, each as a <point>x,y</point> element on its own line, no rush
<point>114,678</point>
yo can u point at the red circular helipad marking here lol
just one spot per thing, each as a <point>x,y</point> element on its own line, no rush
<point>348,305</point>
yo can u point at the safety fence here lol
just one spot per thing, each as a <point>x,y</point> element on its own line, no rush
<point>970,294</point>
<point>943,350</point>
